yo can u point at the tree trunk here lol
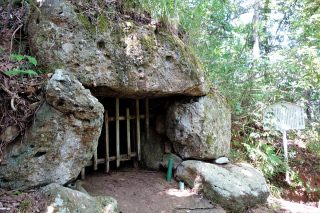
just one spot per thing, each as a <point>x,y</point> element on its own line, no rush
<point>255,36</point>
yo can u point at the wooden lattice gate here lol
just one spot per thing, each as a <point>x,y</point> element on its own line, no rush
<point>121,157</point>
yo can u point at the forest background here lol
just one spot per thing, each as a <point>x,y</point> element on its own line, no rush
<point>256,53</point>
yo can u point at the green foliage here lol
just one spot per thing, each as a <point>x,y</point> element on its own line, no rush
<point>10,72</point>
<point>23,70</point>
<point>266,159</point>
<point>25,205</point>
<point>15,193</point>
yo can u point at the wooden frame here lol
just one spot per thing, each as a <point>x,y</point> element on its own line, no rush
<point>137,140</point>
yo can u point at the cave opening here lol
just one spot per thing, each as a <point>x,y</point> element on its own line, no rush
<point>129,130</point>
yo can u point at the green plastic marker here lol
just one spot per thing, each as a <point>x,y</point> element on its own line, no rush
<point>169,169</point>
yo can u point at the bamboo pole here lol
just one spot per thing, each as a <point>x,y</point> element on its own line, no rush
<point>133,133</point>
<point>83,173</point>
<point>128,133</point>
<point>123,157</point>
<point>147,117</point>
<point>95,158</point>
<point>117,133</point>
<point>106,118</point>
<point>123,118</point>
<point>138,129</point>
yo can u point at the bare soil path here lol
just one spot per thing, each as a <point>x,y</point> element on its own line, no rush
<point>140,191</point>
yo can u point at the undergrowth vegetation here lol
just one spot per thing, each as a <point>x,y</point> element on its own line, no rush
<point>287,70</point>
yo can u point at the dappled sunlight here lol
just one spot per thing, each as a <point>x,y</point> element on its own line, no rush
<point>178,193</point>
<point>246,172</point>
<point>50,209</point>
<point>280,204</point>
<point>108,208</point>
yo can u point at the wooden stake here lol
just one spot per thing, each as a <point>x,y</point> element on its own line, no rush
<point>147,117</point>
<point>83,173</point>
<point>133,133</point>
<point>128,133</point>
<point>95,159</point>
<point>117,132</point>
<point>106,121</point>
<point>138,129</point>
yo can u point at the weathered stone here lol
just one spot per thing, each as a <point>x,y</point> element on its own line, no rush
<point>10,134</point>
<point>161,124</point>
<point>65,93</point>
<point>200,128</point>
<point>55,149</point>
<point>152,150</point>
<point>222,160</point>
<point>176,160</point>
<point>117,59</point>
<point>234,187</point>
<point>62,199</point>
<point>167,147</point>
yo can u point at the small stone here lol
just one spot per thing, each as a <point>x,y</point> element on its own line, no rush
<point>34,106</point>
<point>67,47</point>
<point>10,134</point>
<point>222,160</point>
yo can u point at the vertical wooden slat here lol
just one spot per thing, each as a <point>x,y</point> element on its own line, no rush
<point>95,159</point>
<point>128,133</point>
<point>83,173</point>
<point>106,121</point>
<point>133,133</point>
<point>138,129</point>
<point>147,117</point>
<point>117,132</point>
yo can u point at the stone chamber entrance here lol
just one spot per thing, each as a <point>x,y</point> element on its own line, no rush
<point>127,177</point>
<point>126,123</point>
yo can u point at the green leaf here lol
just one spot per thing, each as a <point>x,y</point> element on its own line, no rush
<point>34,5</point>
<point>236,143</point>
<point>15,193</point>
<point>18,57</point>
<point>10,72</point>
<point>32,60</point>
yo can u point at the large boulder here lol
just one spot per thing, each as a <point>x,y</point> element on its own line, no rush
<point>62,199</point>
<point>58,145</point>
<point>200,128</point>
<point>152,150</point>
<point>118,59</point>
<point>66,94</point>
<point>234,187</point>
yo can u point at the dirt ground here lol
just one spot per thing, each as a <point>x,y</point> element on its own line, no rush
<point>143,191</point>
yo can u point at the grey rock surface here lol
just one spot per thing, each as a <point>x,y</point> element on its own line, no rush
<point>54,149</point>
<point>200,128</point>
<point>168,147</point>
<point>62,199</point>
<point>234,187</point>
<point>161,124</point>
<point>152,150</point>
<point>176,161</point>
<point>65,93</point>
<point>118,59</point>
